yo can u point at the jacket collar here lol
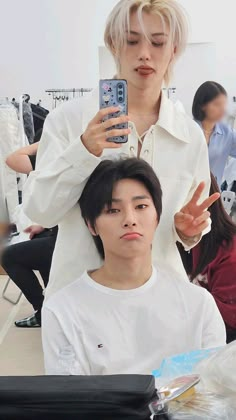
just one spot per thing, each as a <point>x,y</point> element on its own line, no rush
<point>172,120</point>
<point>218,129</point>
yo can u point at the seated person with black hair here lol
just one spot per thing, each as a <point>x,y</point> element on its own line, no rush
<point>22,259</point>
<point>126,316</point>
<point>212,263</point>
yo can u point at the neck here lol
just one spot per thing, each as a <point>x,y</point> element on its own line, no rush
<point>208,125</point>
<point>144,101</point>
<point>124,274</point>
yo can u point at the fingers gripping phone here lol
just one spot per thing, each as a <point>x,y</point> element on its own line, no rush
<point>113,92</point>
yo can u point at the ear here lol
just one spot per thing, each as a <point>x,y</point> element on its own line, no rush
<point>91,230</point>
<point>173,54</point>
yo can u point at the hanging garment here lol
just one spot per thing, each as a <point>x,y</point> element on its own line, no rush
<point>9,142</point>
<point>39,116</point>
<point>27,120</point>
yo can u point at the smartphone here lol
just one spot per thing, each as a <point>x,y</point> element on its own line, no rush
<point>113,92</point>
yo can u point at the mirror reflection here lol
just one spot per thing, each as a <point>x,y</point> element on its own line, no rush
<point>117,187</point>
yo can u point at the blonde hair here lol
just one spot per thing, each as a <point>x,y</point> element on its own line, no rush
<point>171,14</point>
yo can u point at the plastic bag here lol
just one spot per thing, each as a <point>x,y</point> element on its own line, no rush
<point>218,372</point>
<point>205,406</point>
<point>181,364</point>
<point>215,395</point>
<point>180,399</point>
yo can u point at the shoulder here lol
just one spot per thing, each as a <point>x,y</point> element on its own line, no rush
<point>226,254</point>
<point>182,125</point>
<point>76,108</point>
<point>194,130</point>
<point>65,297</point>
<point>182,287</point>
<point>225,128</point>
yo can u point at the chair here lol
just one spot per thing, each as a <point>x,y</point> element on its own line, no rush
<point>14,302</point>
<point>228,198</point>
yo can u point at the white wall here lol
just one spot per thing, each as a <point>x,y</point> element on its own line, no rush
<point>54,43</point>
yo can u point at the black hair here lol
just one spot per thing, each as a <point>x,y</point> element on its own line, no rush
<point>222,233</point>
<point>206,93</point>
<point>97,193</point>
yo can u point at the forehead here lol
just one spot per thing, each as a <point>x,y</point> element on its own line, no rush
<point>221,98</point>
<point>129,188</point>
<point>152,23</point>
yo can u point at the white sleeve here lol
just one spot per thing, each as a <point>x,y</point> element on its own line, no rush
<point>62,168</point>
<point>202,173</point>
<point>59,355</point>
<point>214,332</point>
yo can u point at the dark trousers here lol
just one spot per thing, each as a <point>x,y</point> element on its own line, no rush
<point>21,259</point>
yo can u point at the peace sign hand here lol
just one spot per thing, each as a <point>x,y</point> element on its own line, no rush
<point>192,219</point>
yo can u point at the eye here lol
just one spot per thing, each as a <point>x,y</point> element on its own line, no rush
<point>158,44</point>
<point>142,206</point>
<point>112,211</point>
<point>131,42</point>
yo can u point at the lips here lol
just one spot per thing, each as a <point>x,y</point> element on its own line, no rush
<point>145,70</point>
<point>131,236</point>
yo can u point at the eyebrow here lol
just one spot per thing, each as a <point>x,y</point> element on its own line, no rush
<point>155,34</point>
<point>137,197</point>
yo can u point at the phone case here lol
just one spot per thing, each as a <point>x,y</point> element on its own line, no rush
<point>113,92</point>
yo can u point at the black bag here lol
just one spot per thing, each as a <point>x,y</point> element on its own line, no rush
<point>76,397</point>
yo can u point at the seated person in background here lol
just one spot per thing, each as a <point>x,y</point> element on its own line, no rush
<point>126,316</point>
<point>212,264</point>
<point>23,160</point>
<point>21,259</point>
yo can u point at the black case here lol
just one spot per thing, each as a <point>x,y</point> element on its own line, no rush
<point>76,397</point>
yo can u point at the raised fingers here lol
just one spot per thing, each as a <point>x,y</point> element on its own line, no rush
<point>197,194</point>
<point>209,201</point>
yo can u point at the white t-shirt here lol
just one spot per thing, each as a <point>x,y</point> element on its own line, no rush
<point>92,329</point>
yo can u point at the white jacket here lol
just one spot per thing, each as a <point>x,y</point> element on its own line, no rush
<point>174,146</point>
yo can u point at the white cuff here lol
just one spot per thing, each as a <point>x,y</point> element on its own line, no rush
<point>186,245</point>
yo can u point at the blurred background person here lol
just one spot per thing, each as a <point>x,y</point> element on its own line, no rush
<point>209,109</point>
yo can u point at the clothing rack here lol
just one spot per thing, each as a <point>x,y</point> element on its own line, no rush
<point>62,95</point>
<point>170,91</point>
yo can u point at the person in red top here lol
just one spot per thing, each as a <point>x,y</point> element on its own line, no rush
<point>212,263</point>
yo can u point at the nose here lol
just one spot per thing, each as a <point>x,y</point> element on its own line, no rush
<point>129,219</point>
<point>144,53</point>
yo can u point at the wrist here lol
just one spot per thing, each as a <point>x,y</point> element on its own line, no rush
<point>188,239</point>
<point>94,152</point>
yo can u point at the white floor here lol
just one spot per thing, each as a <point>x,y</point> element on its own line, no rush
<point>20,348</point>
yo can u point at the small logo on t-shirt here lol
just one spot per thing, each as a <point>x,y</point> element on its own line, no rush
<point>100,346</point>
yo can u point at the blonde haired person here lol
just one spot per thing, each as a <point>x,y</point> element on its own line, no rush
<point>145,37</point>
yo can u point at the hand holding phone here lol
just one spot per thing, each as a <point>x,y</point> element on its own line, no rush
<point>113,92</point>
<point>109,128</point>
<point>100,128</point>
